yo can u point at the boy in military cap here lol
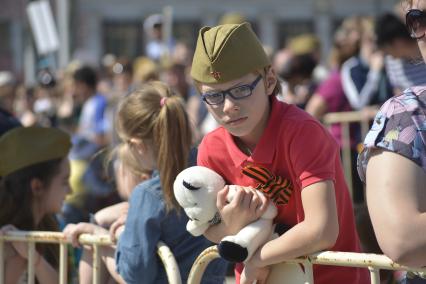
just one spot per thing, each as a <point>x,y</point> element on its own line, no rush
<point>276,148</point>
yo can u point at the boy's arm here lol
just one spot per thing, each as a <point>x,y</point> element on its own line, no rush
<point>318,231</point>
<point>245,207</point>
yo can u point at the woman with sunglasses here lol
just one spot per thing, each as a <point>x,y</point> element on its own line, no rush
<point>393,164</point>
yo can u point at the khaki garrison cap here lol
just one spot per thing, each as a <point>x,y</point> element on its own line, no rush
<point>227,52</point>
<point>25,146</point>
<point>304,44</point>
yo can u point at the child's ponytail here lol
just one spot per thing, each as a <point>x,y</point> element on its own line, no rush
<point>158,117</point>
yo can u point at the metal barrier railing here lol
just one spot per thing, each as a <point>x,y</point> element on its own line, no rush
<point>374,263</point>
<point>33,237</point>
<point>345,119</point>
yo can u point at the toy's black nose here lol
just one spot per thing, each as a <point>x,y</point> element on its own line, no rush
<point>190,186</point>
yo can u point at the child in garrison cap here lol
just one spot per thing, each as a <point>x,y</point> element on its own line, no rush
<point>295,156</point>
<point>34,172</point>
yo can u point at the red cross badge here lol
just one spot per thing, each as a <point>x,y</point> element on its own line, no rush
<point>215,74</point>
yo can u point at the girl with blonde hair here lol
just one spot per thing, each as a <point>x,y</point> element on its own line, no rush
<point>153,123</point>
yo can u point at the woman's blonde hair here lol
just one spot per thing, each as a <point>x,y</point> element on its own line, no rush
<point>158,117</point>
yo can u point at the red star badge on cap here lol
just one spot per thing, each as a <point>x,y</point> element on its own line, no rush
<point>215,74</point>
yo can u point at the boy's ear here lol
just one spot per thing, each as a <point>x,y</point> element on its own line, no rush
<point>37,187</point>
<point>270,81</point>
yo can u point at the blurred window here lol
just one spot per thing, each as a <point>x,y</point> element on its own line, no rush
<point>127,38</point>
<point>123,38</point>
<point>288,29</point>
<point>5,46</point>
<point>186,31</point>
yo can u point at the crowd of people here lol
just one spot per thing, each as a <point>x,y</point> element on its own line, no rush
<point>95,149</point>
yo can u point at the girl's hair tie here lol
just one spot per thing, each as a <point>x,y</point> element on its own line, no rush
<point>163,101</point>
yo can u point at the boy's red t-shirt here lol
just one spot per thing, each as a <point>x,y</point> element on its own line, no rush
<point>297,147</point>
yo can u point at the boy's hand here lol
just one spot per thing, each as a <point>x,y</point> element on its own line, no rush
<point>252,273</point>
<point>246,206</point>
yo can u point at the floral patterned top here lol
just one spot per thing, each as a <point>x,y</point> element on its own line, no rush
<point>400,127</point>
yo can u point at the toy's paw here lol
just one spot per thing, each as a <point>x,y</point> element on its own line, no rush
<point>232,252</point>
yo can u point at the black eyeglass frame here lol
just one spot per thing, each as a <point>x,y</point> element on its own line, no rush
<point>412,19</point>
<point>229,92</point>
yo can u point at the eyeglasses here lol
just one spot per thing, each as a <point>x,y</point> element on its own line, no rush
<point>237,93</point>
<point>416,23</point>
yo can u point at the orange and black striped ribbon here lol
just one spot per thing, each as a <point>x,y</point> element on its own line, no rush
<point>276,188</point>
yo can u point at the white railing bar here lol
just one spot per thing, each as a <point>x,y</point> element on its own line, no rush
<point>31,263</point>
<point>63,263</point>
<point>374,262</point>
<point>96,264</point>
<point>374,275</point>
<point>166,255</point>
<point>345,116</point>
<point>200,264</point>
<point>309,270</point>
<point>170,264</point>
<point>54,237</point>
<point>350,259</point>
<point>347,156</point>
<point>354,259</point>
<point>365,127</point>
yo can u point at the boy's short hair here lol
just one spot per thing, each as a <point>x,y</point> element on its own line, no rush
<point>227,52</point>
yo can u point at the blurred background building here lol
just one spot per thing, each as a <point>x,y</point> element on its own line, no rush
<point>88,29</point>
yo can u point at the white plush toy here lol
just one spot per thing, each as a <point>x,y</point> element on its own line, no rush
<point>195,189</point>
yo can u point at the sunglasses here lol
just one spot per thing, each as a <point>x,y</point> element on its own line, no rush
<point>416,23</point>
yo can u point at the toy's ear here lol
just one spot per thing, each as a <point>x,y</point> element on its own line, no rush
<point>183,196</point>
